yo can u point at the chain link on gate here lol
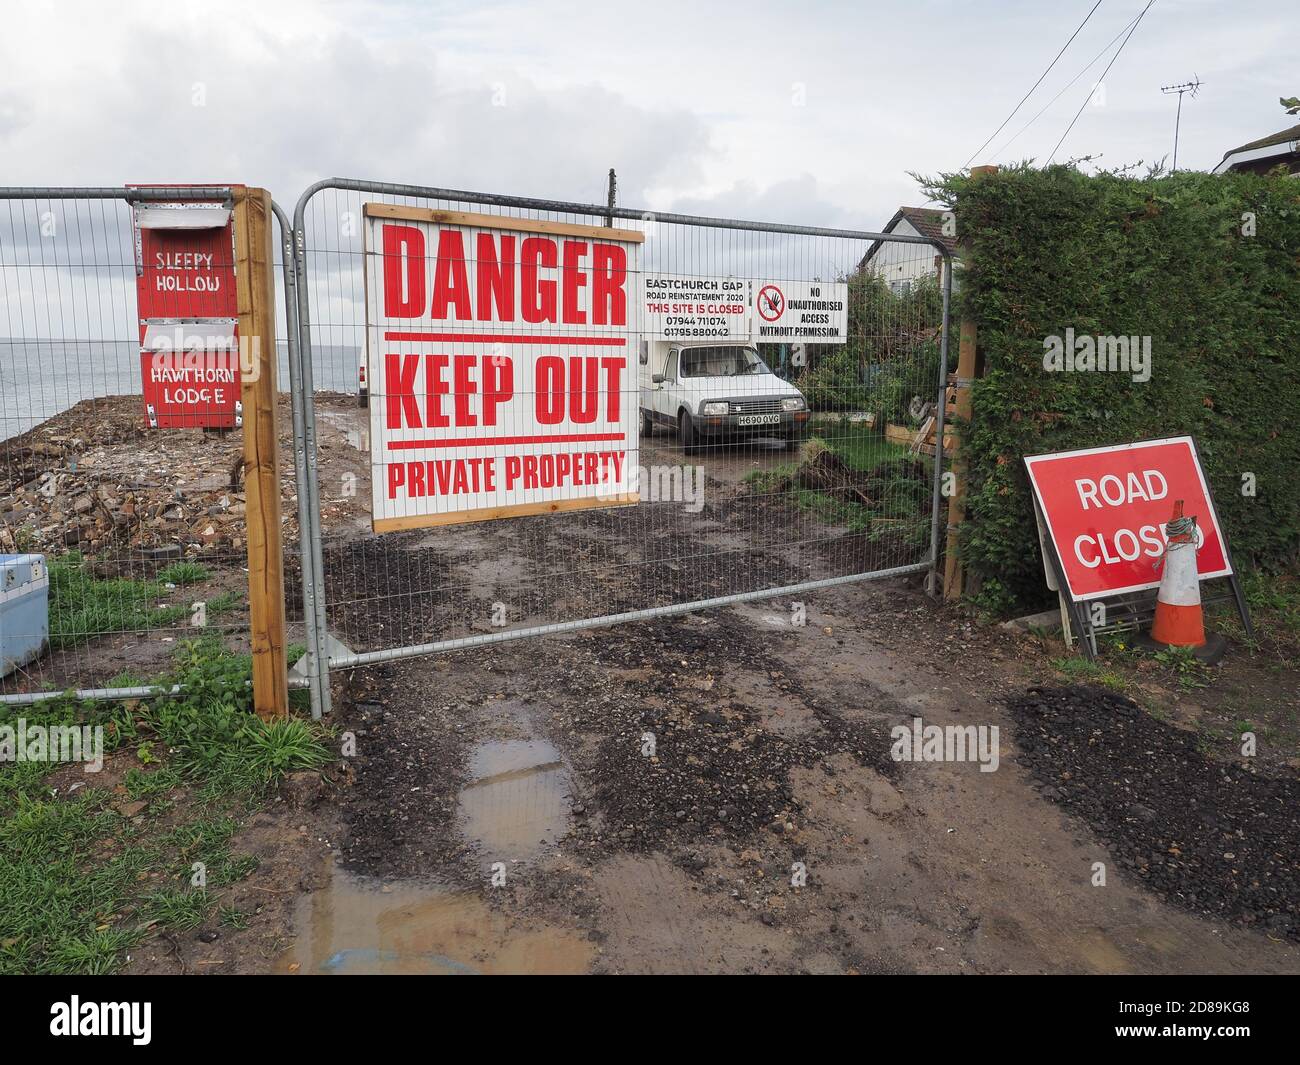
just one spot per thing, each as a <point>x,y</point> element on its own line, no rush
<point>754,501</point>
<point>121,525</point>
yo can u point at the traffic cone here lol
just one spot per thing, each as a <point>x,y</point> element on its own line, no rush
<point>1179,621</point>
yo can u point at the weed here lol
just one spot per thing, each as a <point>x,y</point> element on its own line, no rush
<point>1192,673</point>
<point>285,745</point>
<point>72,868</point>
<point>182,573</point>
<point>1088,671</point>
<point>142,785</point>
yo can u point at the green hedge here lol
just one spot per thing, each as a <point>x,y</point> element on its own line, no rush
<point>1166,257</point>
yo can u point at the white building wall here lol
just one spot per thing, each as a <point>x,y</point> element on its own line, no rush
<point>901,264</point>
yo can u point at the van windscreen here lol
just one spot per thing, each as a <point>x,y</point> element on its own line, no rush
<point>721,362</point>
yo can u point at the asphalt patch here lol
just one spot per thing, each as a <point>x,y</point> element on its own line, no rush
<point>1216,838</point>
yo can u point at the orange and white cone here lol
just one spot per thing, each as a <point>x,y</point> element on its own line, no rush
<point>1179,621</point>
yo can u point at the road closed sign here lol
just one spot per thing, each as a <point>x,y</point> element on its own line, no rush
<point>1105,510</point>
<point>499,361</point>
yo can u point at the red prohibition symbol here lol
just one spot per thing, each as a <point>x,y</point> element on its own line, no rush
<point>771,303</point>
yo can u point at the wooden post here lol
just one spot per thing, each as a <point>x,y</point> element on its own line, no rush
<point>952,567</point>
<point>953,574</point>
<point>255,285</point>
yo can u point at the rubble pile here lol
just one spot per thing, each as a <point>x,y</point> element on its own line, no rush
<point>96,479</point>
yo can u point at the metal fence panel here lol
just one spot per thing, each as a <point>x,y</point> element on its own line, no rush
<point>140,529</point>
<point>723,520</point>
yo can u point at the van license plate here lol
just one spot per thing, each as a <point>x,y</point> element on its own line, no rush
<point>759,419</point>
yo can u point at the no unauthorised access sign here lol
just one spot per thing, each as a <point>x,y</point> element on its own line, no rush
<point>1106,509</point>
<point>499,365</point>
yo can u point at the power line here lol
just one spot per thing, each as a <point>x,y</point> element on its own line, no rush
<point>1075,119</point>
<point>1033,87</point>
<point>1064,90</point>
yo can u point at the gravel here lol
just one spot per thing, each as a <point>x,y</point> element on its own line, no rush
<point>1219,839</point>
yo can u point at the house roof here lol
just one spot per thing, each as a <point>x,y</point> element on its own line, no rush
<point>1283,140</point>
<point>928,221</point>
<point>1282,136</point>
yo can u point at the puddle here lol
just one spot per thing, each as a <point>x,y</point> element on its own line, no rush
<point>357,926</point>
<point>517,802</point>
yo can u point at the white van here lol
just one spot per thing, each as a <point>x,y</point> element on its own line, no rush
<point>714,392</point>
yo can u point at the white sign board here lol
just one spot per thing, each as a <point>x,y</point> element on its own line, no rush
<point>685,307</point>
<point>695,308</point>
<point>811,312</point>
<point>500,366</point>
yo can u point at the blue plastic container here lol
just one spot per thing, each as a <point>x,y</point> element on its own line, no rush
<point>24,610</point>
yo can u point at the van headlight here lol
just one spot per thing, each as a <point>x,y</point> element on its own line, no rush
<point>792,403</point>
<point>714,408</point>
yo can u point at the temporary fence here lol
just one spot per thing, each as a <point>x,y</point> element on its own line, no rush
<point>796,449</point>
<point>122,525</point>
<point>772,403</point>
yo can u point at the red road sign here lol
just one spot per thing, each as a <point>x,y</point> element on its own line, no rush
<point>1106,509</point>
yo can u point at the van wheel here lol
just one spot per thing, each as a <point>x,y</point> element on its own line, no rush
<point>647,424</point>
<point>686,433</point>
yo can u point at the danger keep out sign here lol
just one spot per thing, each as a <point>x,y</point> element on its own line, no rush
<point>1106,510</point>
<point>498,356</point>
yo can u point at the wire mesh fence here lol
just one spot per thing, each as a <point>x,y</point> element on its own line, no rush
<point>791,450</point>
<point>121,518</point>
<point>776,391</point>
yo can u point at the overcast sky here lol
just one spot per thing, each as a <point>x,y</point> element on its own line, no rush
<point>809,112</point>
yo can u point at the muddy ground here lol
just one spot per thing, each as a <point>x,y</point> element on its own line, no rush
<point>716,792</point>
<point>770,757</point>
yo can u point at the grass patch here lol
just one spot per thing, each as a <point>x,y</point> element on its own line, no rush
<point>897,485</point>
<point>176,908</point>
<point>234,918</point>
<point>1084,671</point>
<point>82,877</point>
<point>861,447</point>
<point>182,573</point>
<point>83,606</point>
<point>224,603</point>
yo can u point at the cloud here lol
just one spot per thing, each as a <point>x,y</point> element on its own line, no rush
<point>266,108</point>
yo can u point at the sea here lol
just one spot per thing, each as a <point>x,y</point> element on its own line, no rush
<point>41,378</point>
